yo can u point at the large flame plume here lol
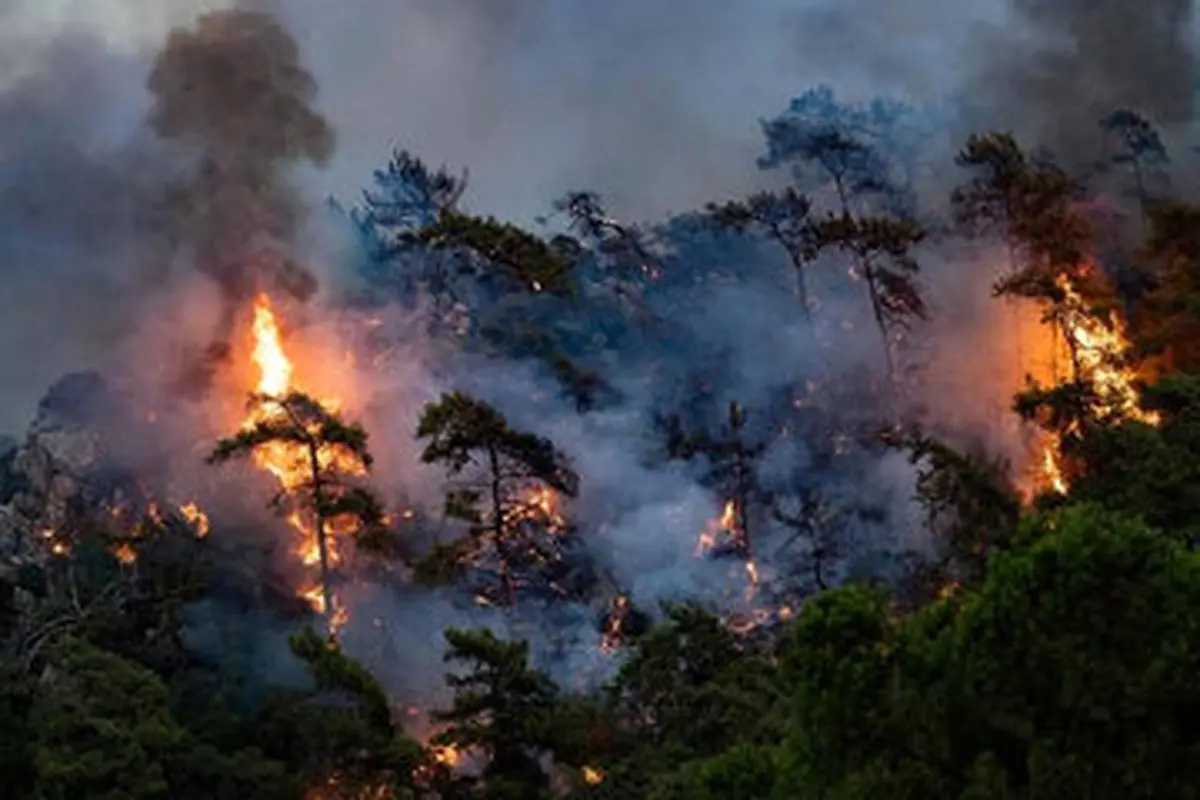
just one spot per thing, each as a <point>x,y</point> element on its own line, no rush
<point>1096,346</point>
<point>289,462</point>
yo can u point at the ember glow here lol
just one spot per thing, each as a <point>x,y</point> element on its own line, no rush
<point>195,517</point>
<point>592,776</point>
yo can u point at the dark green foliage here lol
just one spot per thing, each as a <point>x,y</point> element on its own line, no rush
<point>689,680</point>
<point>104,730</point>
<point>502,709</point>
<point>522,261</point>
<point>497,472</point>
<point>342,728</point>
<point>1149,470</point>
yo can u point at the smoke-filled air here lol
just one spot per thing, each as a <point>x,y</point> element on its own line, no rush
<point>674,400</point>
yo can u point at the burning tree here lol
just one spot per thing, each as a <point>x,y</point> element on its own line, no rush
<point>234,87</point>
<point>506,487</point>
<point>320,453</point>
<point>734,464</point>
<point>1035,208</point>
<point>1031,206</point>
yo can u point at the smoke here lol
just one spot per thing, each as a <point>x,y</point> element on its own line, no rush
<point>651,103</point>
<point>1058,66</point>
<point>71,196</point>
<point>233,89</point>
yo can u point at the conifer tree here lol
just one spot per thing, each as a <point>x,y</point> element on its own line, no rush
<point>329,449</point>
<point>502,709</point>
<point>504,485</point>
<point>781,216</point>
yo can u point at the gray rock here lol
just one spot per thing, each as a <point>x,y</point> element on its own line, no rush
<point>59,467</point>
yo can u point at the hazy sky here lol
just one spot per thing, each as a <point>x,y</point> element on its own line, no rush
<point>652,101</point>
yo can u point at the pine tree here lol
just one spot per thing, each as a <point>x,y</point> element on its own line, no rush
<point>502,709</point>
<point>781,216</point>
<point>505,482</point>
<point>881,252</point>
<point>329,450</point>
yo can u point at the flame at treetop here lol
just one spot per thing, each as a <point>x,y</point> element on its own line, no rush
<point>1097,346</point>
<point>289,462</point>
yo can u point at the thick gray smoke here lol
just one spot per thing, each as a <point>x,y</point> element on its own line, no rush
<point>233,90</point>
<point>1061,65</point>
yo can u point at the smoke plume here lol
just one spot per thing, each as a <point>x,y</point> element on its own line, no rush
<point>232,89</point>
<point>1060,65</point>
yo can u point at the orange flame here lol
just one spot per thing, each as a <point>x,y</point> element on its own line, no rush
<point>195,517</point>
<point>727,523</point>
<point>592,776</point>
<point>289,462</point>
<point>1098,346</point>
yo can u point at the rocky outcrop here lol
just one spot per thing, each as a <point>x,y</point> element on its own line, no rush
<point>60,468</point>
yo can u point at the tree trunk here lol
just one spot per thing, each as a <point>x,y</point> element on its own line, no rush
<point>319,526</point>
<point>498,528</point>
<point>881,322</point>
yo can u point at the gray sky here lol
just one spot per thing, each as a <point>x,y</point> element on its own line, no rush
<point>654,102</point>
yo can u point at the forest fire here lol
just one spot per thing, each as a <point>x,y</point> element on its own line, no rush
<point>195,517</point>
<point>726,523</point>
<point>289,461</point>
<point>1095,347</point>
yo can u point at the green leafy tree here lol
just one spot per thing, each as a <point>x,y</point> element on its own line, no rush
<point>501,477</point>
<point>1077,652</point>
<point>688,690</point>
<point>330,451</point>
<point>102,728</point>
<point>1149,470</point>
<point>339,733</point>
